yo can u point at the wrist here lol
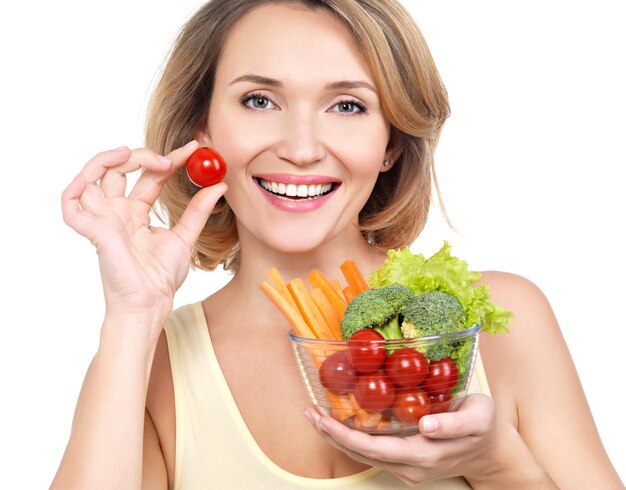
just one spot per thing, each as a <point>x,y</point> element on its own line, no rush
<point>133,326</point>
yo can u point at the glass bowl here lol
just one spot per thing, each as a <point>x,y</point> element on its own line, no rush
<point>385,387</point>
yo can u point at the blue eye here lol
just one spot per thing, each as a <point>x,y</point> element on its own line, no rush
<point>349,107</point>
<point>257,102</point>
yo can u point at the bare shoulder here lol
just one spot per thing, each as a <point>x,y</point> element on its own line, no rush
<point>512,359</point>
<point>534,384</point>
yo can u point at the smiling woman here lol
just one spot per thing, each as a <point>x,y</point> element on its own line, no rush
<point>329,146</point>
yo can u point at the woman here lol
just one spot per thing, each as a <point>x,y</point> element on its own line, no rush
<point>342,98</point>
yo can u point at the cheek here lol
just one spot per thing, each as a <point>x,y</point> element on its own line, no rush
<point>362,149</point>
<point>229,134</point>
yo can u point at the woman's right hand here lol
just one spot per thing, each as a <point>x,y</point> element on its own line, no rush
<point>141,266</point>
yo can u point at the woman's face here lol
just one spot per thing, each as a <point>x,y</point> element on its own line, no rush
<point>297,118</point>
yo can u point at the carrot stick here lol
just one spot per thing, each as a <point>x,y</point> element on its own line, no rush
<point>363,418</point>
<point>318,280</point>
<point>349,293</point>
<point>309,310</point>
<point>369,420</point>
<point>280,286</point>
<point>291,313</point>
<point>354,277</point>
<point>342,406</point>
<point>337,286</point>
<point>328,312</point>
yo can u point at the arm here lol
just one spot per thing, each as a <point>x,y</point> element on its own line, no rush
<point>534,382</point>
<point>106,444</point>
<point>539,433</point>
<point>141,268</point>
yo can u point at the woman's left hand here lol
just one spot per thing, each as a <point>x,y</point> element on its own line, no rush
<point>472,442</point>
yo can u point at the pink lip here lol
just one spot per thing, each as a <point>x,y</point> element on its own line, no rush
<point>297,179</point>
<point>296,205</point>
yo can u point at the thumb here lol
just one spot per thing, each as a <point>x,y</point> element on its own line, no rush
<point>197,213</point>
<point>475,417</point>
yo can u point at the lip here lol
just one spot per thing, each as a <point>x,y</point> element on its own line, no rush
<point>296,205</point>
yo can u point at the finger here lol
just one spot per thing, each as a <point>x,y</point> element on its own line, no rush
<point>380,449</point>
<point>474,418</point>
<point>151,182</point>
<point>123,161</point>
<point>197,213</point>
<point>113,184</point>
<point>73,215</point>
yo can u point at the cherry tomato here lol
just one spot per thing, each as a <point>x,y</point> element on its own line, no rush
<point>374,392</point>
<point>442,376</point>
<point>440,402</point>
<point>411,405</point>
<point>337,374</point>
<point>406,367</point>
<point>205,167</point>
<point>366,350</point>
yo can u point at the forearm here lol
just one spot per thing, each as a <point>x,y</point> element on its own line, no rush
<point>512,466</point>
<point>105,448</point>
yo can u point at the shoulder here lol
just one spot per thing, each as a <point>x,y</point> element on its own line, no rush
<point>516,362</point>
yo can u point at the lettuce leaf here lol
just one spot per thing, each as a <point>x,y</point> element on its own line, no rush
<point>443,272</point>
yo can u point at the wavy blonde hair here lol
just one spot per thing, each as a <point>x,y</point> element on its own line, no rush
<point>412,95</point>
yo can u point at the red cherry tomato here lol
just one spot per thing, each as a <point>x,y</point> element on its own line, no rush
<point>366,350</point>
<point>442,376</point>
<point>337,374</point>
<point>440,402</point>
<point>374,392</point>
<point>205,167</point>
<point>411,405</point>
<point>406,367</point>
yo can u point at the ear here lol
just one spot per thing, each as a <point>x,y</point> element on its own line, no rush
<point>393,152</point>
<point>201,134</point>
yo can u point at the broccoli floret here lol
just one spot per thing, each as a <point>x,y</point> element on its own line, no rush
<point>377,308</point>
<point>434,313</point>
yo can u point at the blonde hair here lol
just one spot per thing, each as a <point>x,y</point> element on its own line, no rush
<point>412,95</point>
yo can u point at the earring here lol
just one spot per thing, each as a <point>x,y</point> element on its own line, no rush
<point>386,163</point>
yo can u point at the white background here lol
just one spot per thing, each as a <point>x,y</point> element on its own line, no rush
<point>530,166</point>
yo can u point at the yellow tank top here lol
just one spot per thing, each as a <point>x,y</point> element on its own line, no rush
<point>215,449</point>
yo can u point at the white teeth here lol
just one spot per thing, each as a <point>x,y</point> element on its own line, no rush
<point>295,190</point>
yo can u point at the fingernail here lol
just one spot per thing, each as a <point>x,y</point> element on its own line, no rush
<point>430,424</point>
<point>192,142</point>
<point>308,416</point>
<point>164,160</point>
<point>121,148</point>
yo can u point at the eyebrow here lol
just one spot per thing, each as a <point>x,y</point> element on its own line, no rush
<point>271,82</point>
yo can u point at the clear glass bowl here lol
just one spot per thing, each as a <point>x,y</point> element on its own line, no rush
<point>391,398</point>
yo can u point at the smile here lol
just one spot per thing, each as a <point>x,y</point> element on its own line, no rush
<point>284,190</point>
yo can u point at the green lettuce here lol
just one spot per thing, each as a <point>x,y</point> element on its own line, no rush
<point>443,272</point>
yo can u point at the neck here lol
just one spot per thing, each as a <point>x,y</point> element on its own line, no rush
<point>244,289</point>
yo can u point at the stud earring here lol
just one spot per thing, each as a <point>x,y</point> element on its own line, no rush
<point>386,163</point>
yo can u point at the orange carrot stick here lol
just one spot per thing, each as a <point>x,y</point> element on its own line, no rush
<point>280,286</point>
<point>343,406</point>
<point>354,277</point>
<point>328,312</point>
<point>349,293</point>
<point>337,286</point>
<point>309,310</point>
<point>318,280</point>
<point>291,313</point>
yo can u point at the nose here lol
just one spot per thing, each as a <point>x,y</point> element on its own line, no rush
<point>300,142</point>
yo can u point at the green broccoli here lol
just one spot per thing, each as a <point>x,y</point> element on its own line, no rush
<point>434,313</point>
<point>377,308</point>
